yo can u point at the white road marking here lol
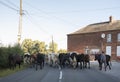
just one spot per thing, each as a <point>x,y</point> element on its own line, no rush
<point>60,75</point>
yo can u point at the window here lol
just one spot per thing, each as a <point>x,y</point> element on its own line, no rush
<point>118,37</point>
<point>108,37</point>
<point>118,50</point>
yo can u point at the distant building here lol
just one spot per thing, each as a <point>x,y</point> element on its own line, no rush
<point>103,36</point>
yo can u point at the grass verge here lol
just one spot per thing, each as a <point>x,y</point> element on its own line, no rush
<point>7,71</point>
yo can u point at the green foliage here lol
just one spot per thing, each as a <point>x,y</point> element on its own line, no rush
<point>16,49</point>
<point>5,51</point>
<point>53,47</point>
<point>62,51</point>
<point>36,46</point>
<point>3,57</point>
<point>27,45</point>
<point>31,47</point>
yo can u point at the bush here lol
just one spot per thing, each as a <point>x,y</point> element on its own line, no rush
<point>5,51</point>
<point>3,57</point>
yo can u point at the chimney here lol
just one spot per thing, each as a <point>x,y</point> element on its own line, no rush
<point>111,19</point>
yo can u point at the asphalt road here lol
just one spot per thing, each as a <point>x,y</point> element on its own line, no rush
<point>49,74</point>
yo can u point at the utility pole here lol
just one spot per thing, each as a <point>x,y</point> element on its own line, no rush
<point>20,23</point>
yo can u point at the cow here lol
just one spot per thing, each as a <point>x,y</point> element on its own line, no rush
<point>39,60</point>
<point>107,61</point>
<point>73,59</point>
<point>53,60</point>
<point>83,59</point>
<point>80,59</point>
<point>87,61</point>
<point>64,59</point>
<point>14,60</point>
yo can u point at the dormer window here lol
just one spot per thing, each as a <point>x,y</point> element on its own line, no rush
<point>109,37</point>
<point>118,37</point>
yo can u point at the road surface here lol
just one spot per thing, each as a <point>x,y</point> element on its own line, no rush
<point>49,74</point>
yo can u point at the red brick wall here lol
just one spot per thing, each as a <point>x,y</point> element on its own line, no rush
<point>78,42</point>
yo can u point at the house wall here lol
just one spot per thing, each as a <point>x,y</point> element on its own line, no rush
<point>114,43</point>
<point>79,42</point>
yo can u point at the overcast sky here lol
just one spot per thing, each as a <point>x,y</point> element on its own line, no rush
<point>43,19</point>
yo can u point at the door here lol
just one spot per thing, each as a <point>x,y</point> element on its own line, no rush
<point>118,50</point>
<point>108,50</point>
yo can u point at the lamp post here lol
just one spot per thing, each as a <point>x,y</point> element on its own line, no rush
<point>103,37</point>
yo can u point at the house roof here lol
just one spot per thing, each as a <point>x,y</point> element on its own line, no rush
<point>97,27</point>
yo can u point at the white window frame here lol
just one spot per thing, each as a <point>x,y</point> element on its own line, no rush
<point>109,38</point>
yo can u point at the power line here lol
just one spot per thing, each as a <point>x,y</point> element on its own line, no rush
<point>6,5</point>
<point>85,10</point>
<point>8,1</point>
<point>76,11</point>
<point>35,23</point>
<point>55,17</point>
<point>29,18</point>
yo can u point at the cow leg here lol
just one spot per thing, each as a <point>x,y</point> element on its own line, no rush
<point>109,65</point>
<point>89,64</point>
<point>77,64</point>
<point>105,66</point>
<point>41,65</point>
<point>14,65</point>
<point>19,64</point>
<point>80,65</point>
<point>36,67</point>
<point>100,66</point>
<point>10,65</point>
<point>60,64</point>
<point>85,64</point>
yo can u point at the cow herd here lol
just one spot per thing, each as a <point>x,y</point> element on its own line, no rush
<point>62,60</point>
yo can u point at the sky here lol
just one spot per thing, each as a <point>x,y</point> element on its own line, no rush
<point>43,19</point>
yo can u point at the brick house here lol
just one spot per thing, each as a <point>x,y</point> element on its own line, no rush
<point>103,36</point>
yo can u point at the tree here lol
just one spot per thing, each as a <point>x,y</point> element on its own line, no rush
<point>32,47</point>
<point>53,47</point>
<point>39,46</point>
<point>62,51</point>
<point>27,45</point>
<point>17,49</point>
